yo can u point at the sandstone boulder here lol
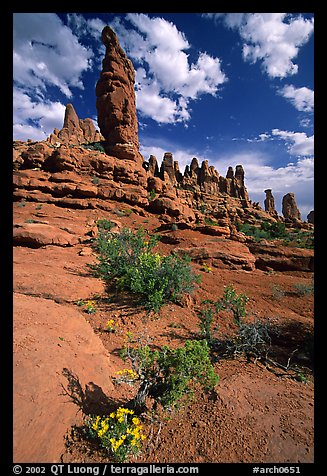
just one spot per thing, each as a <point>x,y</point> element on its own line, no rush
<point>282,258</point>
<point>35,235</point>
<point>222,253</point>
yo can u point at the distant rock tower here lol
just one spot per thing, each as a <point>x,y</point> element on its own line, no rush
<point>289,208</point>
<point>311,217</point>
<point>116,103</point>
<point>270,203</point>
<point>75,131</point>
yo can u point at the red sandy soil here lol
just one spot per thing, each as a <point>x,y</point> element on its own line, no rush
<point>256,414</point>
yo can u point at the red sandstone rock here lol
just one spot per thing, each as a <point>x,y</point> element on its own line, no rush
<point>224,253</point>
<point>75,131</point>
<point>282,258</point>
<point>289,208</point>
<point>270,203</point>
<point>116,101</point>
<point>35,235</point>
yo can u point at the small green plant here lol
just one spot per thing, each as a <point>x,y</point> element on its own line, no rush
<point>22,204</point>
<point>231,301</point>
<point>174,227</point>
<point>95,180</point>
<point>151,195</point>
<point>301,377</point>
<point>39,206</point>
<point>206,268</point>
<point>168,375</point>
<point>277,292</point>
<point>209,221</point>
<point>210,310</point>
<point>206,316</point>
<point>111,326</point>
<point>94,146</point>
<point>126,376</point>
<point>87,305</point>
<point>104,225</point>
<point>29,220</point>
<point>120,433</point>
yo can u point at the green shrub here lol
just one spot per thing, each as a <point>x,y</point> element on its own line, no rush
<point>210,222</point>
<point>230,302</point>
<point>275,229</point>
<point>127,260</point>
<point>94,146</point>
<point>104,225</point>
<point>168,375</point>
<point>151,195</point>
<point>302,289</point>
<point>277,292</point>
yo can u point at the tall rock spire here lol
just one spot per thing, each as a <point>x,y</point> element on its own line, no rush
<point>116,103</point>
<point>270,203</point>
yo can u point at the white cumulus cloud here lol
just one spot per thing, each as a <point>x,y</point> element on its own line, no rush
<point>46,53</point>
<point>298,143</point>
<point>301,98</point>
<point>274,39</point>
<point>168,81</point>
<point>35,119</point>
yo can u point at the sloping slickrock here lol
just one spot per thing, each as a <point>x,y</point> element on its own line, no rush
<point>35,235</point>
<point>48,338</point>
<point>60,276</point>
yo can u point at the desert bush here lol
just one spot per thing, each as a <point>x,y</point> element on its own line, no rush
<point>252,340</point>
<point>151,195</point>
<point>274,230</point>
<point>93,146</point>
<point>120,433</point>
<point>230,302</point>
<point>277,292</point>
<point>168,375</point>
<point>267,231</point>
<point>127,259</point>
<point>302,289</point>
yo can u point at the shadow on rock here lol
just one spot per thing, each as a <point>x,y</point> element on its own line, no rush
<point>91,400</point>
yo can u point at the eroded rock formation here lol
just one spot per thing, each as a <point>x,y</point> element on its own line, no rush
<point>289,208</point>
<point>310,217</point>
<point>270,203</point>
<point>116,101</point>
<point>75,131</point>
<point>60,171</point>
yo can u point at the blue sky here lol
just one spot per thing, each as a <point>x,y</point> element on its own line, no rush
<point>233,88</point>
